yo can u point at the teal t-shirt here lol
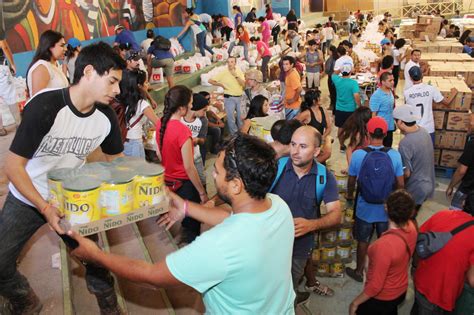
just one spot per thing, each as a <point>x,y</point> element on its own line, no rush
<point>242,265</point>
<point>345,90</point>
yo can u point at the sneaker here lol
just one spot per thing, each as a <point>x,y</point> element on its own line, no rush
<point>354,275</point>
<point>302,298</point>
<point>320,289</point>
<point>26,305</point>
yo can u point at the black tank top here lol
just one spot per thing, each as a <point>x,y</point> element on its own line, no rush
<point>320,126</point>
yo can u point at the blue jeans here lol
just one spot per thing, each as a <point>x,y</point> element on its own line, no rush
<point>241,43</point>
<point>134,147</point>
<point>291,113</point>
<point>232,110</point>
<point>363,230</point>
<point>201,42</point>
<point>18,223</point>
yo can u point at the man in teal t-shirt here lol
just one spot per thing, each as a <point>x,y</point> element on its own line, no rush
<point>243,264</point>
<point>347,98</point>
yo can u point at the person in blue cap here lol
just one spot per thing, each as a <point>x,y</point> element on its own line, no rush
<point>73,48</point>
<point>386,47</point>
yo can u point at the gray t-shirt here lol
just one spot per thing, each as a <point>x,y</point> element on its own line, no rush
<point>417,154</point>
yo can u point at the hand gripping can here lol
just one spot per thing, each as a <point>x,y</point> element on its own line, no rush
<point>55,191</point>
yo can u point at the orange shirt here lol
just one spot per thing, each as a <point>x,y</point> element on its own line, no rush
<point>292,84</point>
<point>244,37</point>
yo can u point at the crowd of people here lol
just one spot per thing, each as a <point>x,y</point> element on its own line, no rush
<point>274,190</point>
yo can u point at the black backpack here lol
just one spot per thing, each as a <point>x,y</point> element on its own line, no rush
<point>161,43</point>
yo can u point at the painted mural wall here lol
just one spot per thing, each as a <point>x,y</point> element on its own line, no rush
<point>23,21</point>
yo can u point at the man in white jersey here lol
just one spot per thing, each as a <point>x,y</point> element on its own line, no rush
<point>421,97</point>
<point>60,128</point>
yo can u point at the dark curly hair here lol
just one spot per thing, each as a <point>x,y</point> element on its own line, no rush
<point>253,161</point>
<point>400,207</point>
<point>356,125</point>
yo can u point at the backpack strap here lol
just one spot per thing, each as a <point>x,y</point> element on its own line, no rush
<point>385,149</point>
<point>320,182</point>
<point>281,166</point>
<point>404,241</point>
<point>462,227</point>
<point>368,149</point>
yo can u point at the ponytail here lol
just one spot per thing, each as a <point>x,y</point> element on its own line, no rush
<point>176,97</point>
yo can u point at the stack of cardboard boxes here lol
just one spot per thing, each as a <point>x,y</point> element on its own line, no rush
<point>426,27</point>
<point>440,46</point>
<point>452,121</point>
<point>446,57</point>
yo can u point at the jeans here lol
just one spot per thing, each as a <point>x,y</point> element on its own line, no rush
<point>191,227</point>
<point>396,75</point>
<point>291,113</point>
<point>332,93</point>
<point>201,41</point>
<point>326,45</point>
<point>297,270</point>
<point>424,307</point>
<point>459,198</point>
<point>432,135</point>
<point>232,110</point>
<point>18,223</point>
<point>134,147</point>
<point>241,43</point>
<point>265,61</point>
<point>275,31</point>
<point>363,230</point>
<point>294,43</point>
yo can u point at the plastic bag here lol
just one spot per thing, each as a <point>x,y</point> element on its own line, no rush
<point>156,76</point>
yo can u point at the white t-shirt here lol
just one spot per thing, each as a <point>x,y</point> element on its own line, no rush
<point>205,18</point>
<point>54,134</point>
<point>136,132</point>
<point>396,55</point>
<point>271,23</point>
<point>421,97</point>
<point>195,128</point>
<point>343,61</point>
<point>408,81</point>
<point>146,43</point>
<point>328,33</point>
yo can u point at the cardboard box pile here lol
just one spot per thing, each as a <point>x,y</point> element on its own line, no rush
<point>438,46</point>
<point>426,26</point>
<point>446,57</point>
<point>452,121</point>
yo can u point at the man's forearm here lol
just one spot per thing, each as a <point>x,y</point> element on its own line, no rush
<point>210,216</point>
<point>136,270</point>
<point>457,177</point>
<point>332,218</point>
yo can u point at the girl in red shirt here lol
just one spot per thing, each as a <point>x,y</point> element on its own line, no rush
<point>387,276</point>
<point>241,39</point>
<point>175,143</point>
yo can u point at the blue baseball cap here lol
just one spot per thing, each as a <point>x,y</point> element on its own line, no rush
<point>74,42</point>
<point>385,41</point>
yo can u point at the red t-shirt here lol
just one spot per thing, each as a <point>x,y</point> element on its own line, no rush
<point>176,135</point>
<point>440,278</point>
<point>387,277</point>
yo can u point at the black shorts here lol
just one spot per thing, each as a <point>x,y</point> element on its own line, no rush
<point>341,117</point>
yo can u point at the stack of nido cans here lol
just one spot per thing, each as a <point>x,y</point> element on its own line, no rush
<point>102,190</point>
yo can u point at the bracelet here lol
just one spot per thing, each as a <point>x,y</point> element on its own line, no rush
<point>45,208</point>
<point>202,194</point>
<point>185,208</point>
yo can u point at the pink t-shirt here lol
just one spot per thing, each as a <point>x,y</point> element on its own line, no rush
<point>266,29</point>
<point>261,45</point>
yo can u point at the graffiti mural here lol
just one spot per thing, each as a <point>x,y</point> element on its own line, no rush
<point>24,20</point>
